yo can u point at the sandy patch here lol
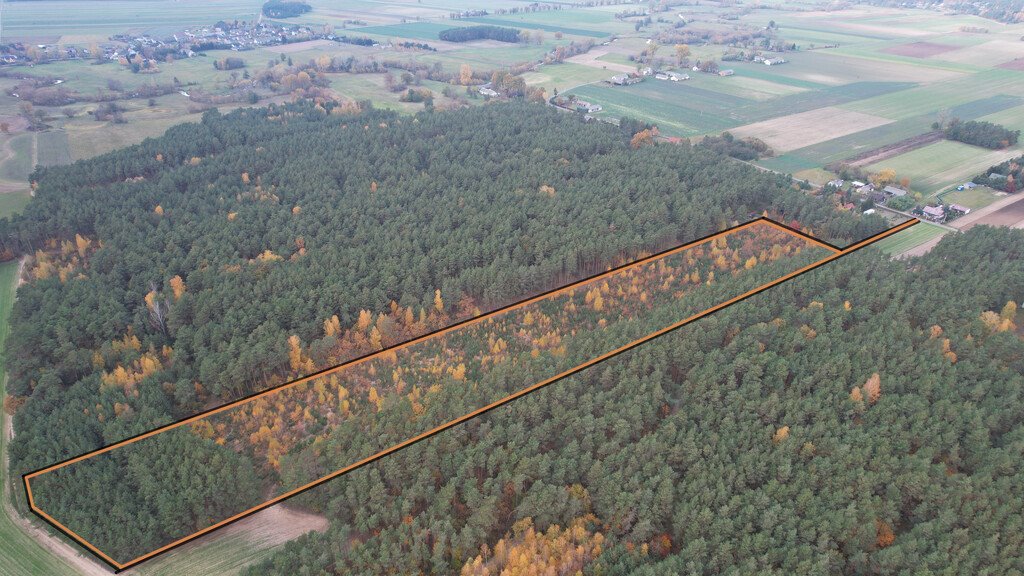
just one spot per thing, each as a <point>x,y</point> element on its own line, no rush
<point>919,49</point>
<point>591,59</point>
<point>806,128</point>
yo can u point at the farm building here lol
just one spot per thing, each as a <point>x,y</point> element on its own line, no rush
<point>894,191</point>
<point>490,93</point>
<point>728,72</point>
<point>624,80</point>
<point>774,61</point>
<point>959,208</point>
<point>934,213</point>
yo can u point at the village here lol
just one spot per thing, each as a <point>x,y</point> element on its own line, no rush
<point>146,51</point>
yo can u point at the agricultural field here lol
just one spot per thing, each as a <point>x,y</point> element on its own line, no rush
<point>67,21</point>
<point>907,240</point>
<point>935,167</point>
<point>898,70</point>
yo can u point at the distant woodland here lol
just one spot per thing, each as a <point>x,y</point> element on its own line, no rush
<point>862,419</point>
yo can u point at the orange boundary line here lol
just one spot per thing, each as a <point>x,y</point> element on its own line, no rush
<point>836,253</point>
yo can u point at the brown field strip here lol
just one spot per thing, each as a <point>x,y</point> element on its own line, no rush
<point>386,355</point>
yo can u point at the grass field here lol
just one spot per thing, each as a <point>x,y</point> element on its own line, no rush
<point>416,30</point>
<point>902,241</point>
<point>21,554</point>
<point>61,20</point>
<point>975,198</point>
<point>938,166</point>
<point>52,148</point>
<point>699,106</point>
<point>18,166</point>
<point>13,202</point>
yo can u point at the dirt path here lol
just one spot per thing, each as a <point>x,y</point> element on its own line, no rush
<point>975,217</point>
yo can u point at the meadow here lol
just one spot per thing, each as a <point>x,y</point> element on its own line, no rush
<point>937,166</point>
<point>905,240</point>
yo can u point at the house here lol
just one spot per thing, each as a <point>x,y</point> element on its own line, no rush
<point>934,213</point>
<point>856,184</point>
<point>728,72</point>
<point>661,76</point>
<point>863,188</point>
<point>675,77</point>
<point>878,197</point>
<point>959,208</point>
<point>894,191</point>
<point>838,183</point>
<point>774,61</point>
<point>624,80</point>
<point>488,92</point>
<point>869,211</point>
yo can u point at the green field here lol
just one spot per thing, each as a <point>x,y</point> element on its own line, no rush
<point>703,105</point>
<point>18,166</point>
<point>52,148</point>
<point>902,241</point>
<point>938,166</point>
<point>21,554</point>
<point>975,198</point>
<point>417,30</point>
<point>13,202</point>
<point>72,20</point>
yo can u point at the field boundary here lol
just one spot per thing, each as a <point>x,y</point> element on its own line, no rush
<point>836,253</point>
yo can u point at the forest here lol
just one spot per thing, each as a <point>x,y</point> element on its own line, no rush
<point>230,255</point>
<point>864,418</point>
<point>470,33</point>
<point>285,8</point>
<point>484,361</point>
<point>980,133</point>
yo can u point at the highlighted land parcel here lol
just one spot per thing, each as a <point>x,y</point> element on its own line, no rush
<point>125,504</point>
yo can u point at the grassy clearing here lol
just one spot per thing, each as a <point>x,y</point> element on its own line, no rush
<point>907,239</point>
<point>976,198</point>
<point>943,164</point>
<point>21,554</point>
<point>18,166</point>
<point>564,76</point>
<point>12,203</point>
<point>52,148</point>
